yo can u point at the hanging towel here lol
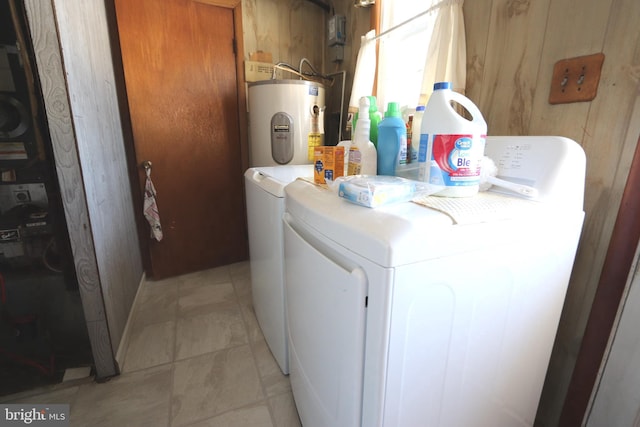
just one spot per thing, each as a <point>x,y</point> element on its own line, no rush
<point>151,208</point>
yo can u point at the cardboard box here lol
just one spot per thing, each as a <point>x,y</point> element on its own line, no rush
<point>255,71</point>
<point>328,163</point>
<point>261,56</point>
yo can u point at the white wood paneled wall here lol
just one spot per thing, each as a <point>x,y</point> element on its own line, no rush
<point>512,46</point>
<point>73,58</point>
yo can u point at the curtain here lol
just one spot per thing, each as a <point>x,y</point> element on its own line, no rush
<point>447,55</point>
<point>365,70</point>
<point>421,42</point>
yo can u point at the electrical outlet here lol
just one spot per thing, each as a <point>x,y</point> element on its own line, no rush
<point>576,79</point>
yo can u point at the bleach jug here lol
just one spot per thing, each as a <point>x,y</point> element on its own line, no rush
<point>451,146</point>
<point>392,141</point>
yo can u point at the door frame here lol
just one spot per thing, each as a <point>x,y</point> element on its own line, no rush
<point>609,293</point>
<point>236,6</point>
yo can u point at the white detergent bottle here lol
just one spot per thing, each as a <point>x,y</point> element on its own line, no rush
<point>347,145</point>
<point>363,158</point>
<point>451,146</point>
<point>415,134</point>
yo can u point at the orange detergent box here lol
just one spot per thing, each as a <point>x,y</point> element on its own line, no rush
<point>328,163</point>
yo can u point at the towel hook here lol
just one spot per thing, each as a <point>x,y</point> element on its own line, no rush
<point>147,165</point>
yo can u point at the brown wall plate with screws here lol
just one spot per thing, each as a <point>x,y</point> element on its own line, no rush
<point>576,79</point>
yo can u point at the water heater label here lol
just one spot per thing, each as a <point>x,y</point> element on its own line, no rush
<point>313,90</point>
<point>281,128</point>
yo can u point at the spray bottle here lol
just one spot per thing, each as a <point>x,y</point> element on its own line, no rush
<point>375,117</point>
<point>362,154</point>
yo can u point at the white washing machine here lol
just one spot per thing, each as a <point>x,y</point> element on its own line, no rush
<point>265,206</point>
<point>408,316</point>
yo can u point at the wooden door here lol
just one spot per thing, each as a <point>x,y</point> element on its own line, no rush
<point>180,74</point>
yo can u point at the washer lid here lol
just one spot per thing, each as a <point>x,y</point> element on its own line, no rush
<point>385,235</point>
<point>273,179</point>
<point>405,233</point>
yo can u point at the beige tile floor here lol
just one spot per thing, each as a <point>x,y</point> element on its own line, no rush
<point>196,357</point>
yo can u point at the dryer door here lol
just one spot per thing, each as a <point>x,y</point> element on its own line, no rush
<point>326,298</point>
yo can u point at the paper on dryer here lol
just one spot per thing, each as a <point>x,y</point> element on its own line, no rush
<point>483,207</point>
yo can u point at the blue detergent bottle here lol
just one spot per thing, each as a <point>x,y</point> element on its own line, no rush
<point>392,141</point>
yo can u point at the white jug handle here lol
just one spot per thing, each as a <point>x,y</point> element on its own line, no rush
<point>469,105</point>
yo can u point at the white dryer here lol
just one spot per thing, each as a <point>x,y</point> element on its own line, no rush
<point>264,188</point>
<point>405,316</point>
